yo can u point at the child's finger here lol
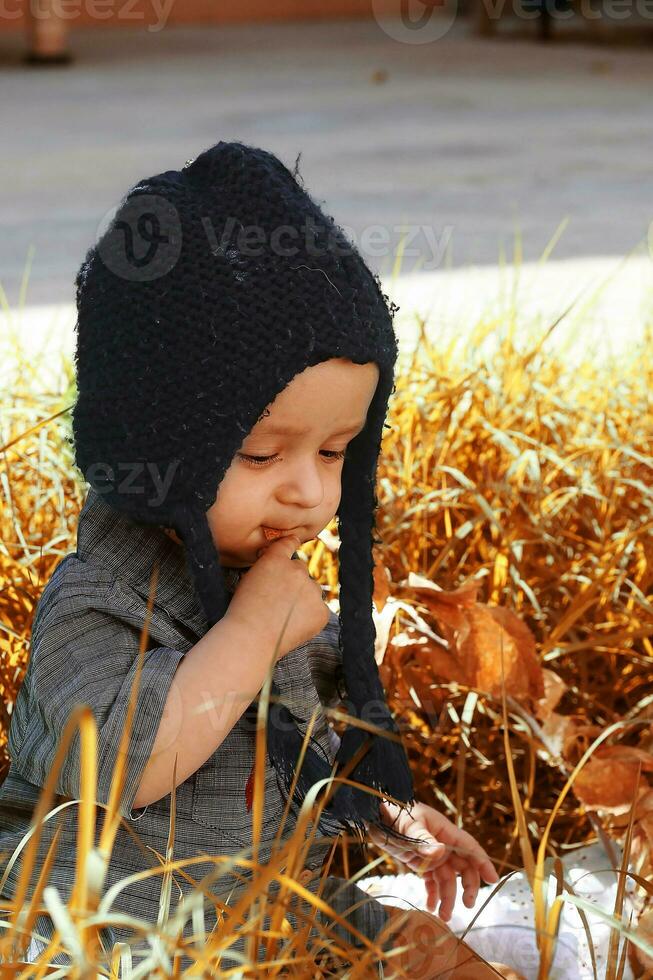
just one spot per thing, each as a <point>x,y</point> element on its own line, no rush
<point>488,872</point>
<point>432,892</point>
<point>431,856</point>
<point>467,847</point>
<point>447,882</point>
<point>458,863</point>
<point>484,869</point>
<point>471,881</point>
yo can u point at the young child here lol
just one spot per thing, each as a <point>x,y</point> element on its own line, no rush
<point>231,400</point>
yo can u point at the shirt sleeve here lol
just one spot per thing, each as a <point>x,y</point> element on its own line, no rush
<point>84,650</point>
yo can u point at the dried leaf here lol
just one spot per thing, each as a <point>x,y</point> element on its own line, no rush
<point>381,581</point>
<point>554,688</point>
<point>558,730</point>
<point>476,633</point>
<point>645,806</point>
<point>442,664</point>
<point>609,780</point>
<point>448,607</point>
<point>525,674</point>
<point>577,741</point>
<point>419,680</point>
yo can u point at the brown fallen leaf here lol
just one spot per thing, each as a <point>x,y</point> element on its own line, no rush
<point>559,730</point>
<point>478,635</point>
<point>644,805</point>
<point>381,581</point>
<point>609,780</point>
<point>578,739</point>
<point>448,607</point>
<point>554,688</point>
<point>522,669</point>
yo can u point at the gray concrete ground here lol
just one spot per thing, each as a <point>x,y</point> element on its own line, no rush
<point>463,140</point>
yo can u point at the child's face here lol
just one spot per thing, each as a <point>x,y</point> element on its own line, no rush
<point>298,487</point>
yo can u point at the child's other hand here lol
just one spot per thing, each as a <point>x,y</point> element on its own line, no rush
<point>274,584</point>
<point>447,853</point>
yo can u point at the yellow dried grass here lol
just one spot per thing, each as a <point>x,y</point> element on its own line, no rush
<point>529,481</point>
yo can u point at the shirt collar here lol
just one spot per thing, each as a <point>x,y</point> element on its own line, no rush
<point>129,550</point>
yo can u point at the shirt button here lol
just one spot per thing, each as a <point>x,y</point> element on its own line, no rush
<point>305,876</point>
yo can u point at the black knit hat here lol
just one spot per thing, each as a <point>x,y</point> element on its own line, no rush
<point>181,346</point>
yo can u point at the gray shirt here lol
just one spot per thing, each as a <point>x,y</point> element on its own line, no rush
<point>84,649</point>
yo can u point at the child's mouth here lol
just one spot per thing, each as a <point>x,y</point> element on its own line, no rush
<point>272,533</point>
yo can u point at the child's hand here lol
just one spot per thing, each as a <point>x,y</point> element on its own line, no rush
<point>450,852</point>
<point>266,593</point>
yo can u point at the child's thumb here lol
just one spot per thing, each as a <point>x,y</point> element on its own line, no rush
<point>286,545</point>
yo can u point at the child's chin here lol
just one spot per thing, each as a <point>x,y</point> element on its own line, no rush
<point>242,559</point>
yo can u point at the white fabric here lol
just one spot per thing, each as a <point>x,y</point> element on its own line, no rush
<point>504,932</point>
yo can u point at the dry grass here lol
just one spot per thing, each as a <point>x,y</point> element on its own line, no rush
<point>513,596</point>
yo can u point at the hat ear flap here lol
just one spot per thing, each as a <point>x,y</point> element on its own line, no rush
<point>203,561</point>
<point>384,766</point>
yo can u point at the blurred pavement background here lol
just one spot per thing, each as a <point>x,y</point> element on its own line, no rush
<point>468,145</point>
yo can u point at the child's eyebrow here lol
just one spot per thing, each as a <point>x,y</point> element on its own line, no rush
<point>291,430</point>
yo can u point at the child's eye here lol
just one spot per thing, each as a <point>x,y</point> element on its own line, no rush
<point>256,460</point>
<point>264,460</point>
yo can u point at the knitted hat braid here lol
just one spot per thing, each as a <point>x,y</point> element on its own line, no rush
<point>179,352</point>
